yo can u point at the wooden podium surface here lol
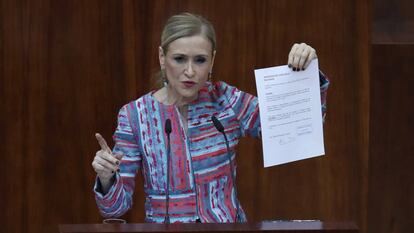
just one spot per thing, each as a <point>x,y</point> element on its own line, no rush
<point>273,226</point>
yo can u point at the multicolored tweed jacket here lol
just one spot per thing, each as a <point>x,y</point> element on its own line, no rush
<point>200,180</point>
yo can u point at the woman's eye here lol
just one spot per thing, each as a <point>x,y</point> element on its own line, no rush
<point>200,60</point>
<point>179,59</point>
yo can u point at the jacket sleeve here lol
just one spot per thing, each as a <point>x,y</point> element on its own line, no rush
<point>246,108</point>
<point>324,84</point>
<point>119,197</point>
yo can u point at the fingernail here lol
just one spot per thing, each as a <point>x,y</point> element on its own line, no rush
<point>303,68</point>
<point>118,170</point>
<point>289,65</point>
<point>117,162</point>
<point>112,172</point>
<point>294,69</point>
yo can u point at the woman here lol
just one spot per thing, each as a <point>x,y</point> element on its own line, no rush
<point>200,186</point>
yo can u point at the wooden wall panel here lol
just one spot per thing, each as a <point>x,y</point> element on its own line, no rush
<point>68,66</point>
<point>12,124</point>
<point>393,21</point>
<point>391,187</point>
<point>393,10</point>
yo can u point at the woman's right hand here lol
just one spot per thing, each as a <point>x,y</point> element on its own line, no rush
<point>105,163</point>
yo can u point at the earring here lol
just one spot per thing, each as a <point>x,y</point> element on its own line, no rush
<point>210,74</point>
<point>164,78</point>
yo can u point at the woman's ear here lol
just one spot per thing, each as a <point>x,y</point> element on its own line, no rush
<point>161,57</point>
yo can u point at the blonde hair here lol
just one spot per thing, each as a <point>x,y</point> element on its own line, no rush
<point>185,25</point>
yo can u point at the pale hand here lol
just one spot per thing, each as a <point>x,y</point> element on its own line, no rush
<point>300,56</point>
<point>105,162</point>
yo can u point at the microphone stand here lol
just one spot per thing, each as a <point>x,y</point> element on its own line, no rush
<point>220,128</point>
<point>167,190</point>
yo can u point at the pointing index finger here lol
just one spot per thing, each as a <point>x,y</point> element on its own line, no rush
<point>102,143</point>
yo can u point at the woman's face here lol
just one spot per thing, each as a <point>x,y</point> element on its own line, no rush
<point>187,64</point>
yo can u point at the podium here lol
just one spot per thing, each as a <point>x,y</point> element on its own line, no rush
<point>267,227</point>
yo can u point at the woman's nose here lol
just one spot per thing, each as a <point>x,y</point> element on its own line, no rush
<point>189,71</point>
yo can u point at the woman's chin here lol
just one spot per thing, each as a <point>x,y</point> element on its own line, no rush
<point>189,94</point>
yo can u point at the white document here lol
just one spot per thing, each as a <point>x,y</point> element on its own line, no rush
<point>290,113</point>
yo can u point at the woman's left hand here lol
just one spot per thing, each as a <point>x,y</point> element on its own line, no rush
<point>300,56</point>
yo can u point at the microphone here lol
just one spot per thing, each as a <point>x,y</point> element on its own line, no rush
<point>167,190</point>
<point>220,128</point>
<point>168,127</point>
